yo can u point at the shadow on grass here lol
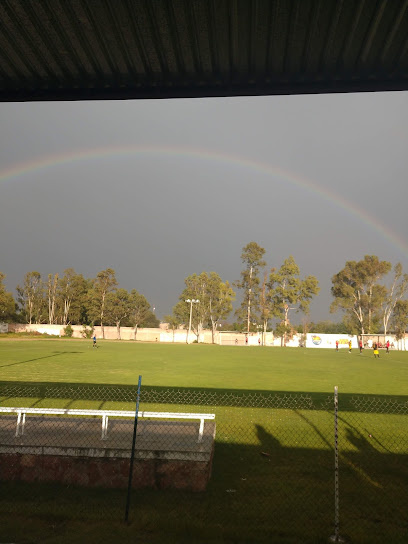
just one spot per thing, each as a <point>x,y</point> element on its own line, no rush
<point>55,353</point>
<point>200,396</point>
<point>259,492</point>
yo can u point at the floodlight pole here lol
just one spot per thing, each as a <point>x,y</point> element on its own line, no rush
<point>190,301</point>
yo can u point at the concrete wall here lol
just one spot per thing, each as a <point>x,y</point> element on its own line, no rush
<point>107,473</point>
<point>229,338</point>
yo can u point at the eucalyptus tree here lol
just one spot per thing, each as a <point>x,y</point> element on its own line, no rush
<point>104,283</point>
<point>395,293</point>
<point>192,308</point>
<point>72,297</point>
<point>139,309</point>
<point>52,286</point>
<point>150,321</point>
<point>400,319</point>
<point>251,257</point>
<point>7,304</point>
<point>173,322</point>
<point>219,297</point>
<point>266,307</point>
<point>358,293</point>
<point>287,291</point>
<point>207,298</point>
<point>31,297</point>
<point>118,307</point>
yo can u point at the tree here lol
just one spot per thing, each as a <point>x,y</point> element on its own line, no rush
<point>72,297</point>
<point>396,292</point>
<point>52,285</point>
<point>288,292</point>
<point>357,293</point>
<point>173,323</point>
<point>284,332</point>
<point>266,307</point>
<point>182,313</point>
<point>104,283</point>
<point>150,321</point>
<point>215,304</point>
<point>118,307</point>
<point>219,297</point>
<point>251,257</point>
<point>139,309</point>
<point>326,327</point>
<point>30,297</point>
<point>400,319</point>
<point>7,304</point>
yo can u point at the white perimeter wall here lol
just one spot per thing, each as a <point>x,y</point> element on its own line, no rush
<point>327,341</point>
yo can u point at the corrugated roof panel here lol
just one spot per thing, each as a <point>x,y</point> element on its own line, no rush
<point>75,49</point>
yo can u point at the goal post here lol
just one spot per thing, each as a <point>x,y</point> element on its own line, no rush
<point>232,338</point>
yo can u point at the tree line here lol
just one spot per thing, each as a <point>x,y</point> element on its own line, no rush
<point>268,298</point>
<point>267,293</point>
<point>72,299</point>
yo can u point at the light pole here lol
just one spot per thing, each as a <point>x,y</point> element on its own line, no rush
<point>191,302</point>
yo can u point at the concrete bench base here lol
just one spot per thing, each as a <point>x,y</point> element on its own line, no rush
<point>106,472</point>
<point>167,454</point>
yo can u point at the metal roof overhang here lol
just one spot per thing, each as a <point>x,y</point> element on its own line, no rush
<point>123,49</point>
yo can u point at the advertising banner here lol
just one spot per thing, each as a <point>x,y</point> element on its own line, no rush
<point>328,341</point>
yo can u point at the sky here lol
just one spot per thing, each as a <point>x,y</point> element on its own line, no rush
<point>161,189</point>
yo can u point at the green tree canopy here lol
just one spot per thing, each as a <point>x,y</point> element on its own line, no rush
<point>287,291</point>
<point>7,303</point>
<point>357,292</point>
<point>215,302</point>
<point>395,293</point>
<point>72,293</point>
<point>173,322</point>
<point>104,283</point>
<point>139,309</point>
<point>31,297</point>
<point>117,308</point>
<point>252,258</point>
<point>400,319</point>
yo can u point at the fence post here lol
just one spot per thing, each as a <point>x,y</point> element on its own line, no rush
<point>132,453</point>
<point>336,537</point>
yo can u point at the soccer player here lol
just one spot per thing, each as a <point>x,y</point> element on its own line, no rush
<point>361,346</point>
<point>94,341</point>
<point>375,348</point>
<point>337,345</point>
<point>350,346</point>
<point>387,345</point>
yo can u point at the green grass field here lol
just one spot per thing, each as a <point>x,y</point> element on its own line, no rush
<point>204,366</point>
<point>267,400</point>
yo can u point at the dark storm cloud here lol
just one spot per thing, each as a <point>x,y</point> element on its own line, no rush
<point>158,217</point>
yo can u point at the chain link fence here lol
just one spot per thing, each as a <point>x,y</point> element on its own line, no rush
<point>208,465</point>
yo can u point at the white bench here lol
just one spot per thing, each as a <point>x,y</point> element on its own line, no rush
<point>104,414</point>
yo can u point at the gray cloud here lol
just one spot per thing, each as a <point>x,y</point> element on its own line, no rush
<point>156,218</point>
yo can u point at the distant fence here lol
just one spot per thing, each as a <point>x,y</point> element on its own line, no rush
<point>264,470</point>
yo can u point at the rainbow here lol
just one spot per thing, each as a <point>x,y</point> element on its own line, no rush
<point>41,163</point>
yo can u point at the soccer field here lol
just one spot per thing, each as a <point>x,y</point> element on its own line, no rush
<point>272,477</point>
<point>204,366</point>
